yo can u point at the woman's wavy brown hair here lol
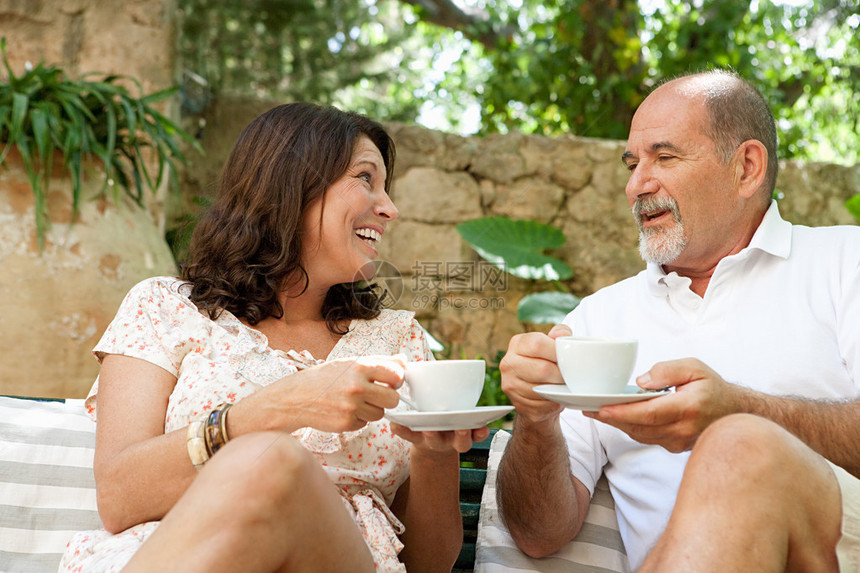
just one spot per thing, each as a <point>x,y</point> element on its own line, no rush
<point>249,243</point>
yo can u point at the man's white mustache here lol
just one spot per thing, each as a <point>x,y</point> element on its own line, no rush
<point>649,205</point>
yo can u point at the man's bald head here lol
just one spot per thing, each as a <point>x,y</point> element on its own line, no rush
<point>736,112</point>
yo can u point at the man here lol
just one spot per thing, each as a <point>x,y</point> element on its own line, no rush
<point>753,322</point>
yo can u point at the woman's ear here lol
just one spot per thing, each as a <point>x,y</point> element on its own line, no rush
<point>751,167</point>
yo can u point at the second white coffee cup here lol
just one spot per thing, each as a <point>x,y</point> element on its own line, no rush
<point>596,365</point>
<point>445,385</point>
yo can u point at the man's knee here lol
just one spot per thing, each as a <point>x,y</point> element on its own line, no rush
<point>764,479</point>
<point>745,454</point>
<point>745,443</point>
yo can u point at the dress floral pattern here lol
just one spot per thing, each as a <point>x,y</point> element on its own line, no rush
<point>224,361</point>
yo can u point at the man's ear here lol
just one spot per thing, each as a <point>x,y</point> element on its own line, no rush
<point>750,167</point>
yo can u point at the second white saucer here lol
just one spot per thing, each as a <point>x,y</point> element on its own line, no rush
<point>593,402</point>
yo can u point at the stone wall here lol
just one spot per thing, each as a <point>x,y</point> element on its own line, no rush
<point>574,183</point>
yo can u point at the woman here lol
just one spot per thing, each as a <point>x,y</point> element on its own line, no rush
<point>231,401</point>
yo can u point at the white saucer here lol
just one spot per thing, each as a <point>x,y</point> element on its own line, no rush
<point>444,421</point>
<point>592,402</point>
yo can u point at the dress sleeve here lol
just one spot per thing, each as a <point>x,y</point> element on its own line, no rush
<point>152,324</point>
<point>415,345</point>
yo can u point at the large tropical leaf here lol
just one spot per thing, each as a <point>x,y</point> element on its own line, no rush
<point>546,307</point>
<point>517,246</point>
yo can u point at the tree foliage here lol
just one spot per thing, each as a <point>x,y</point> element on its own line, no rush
<point>583,66</point>
<point>316,50</point>
<point>538,66</point>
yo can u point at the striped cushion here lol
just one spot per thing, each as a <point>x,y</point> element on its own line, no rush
<point>597,548</point>
<point>47,490</point>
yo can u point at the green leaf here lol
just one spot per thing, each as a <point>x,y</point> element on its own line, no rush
<point>432,343</point>
<point>516,246</point>
<point>20,103</point>
<point>130,116</point>
<point>853,205</point>
<point>39,121</point>
<point>546,307</point>
<point>5,61</point>
<point>159,95</point>
<point>111,129</point>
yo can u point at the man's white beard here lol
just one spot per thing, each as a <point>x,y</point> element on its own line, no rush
<point>660,245</point>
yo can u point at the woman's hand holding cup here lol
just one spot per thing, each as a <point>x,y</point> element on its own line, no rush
<point>444,386</point>
<point>337,396</point>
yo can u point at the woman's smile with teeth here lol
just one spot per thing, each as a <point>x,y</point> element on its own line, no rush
<point>367,234</point>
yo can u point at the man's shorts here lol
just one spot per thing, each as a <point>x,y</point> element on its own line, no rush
<point>848,549</point>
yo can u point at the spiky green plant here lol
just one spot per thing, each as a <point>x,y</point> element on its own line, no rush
<point>87,120</point>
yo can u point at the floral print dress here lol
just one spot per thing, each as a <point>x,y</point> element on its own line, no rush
<point>224,361</point>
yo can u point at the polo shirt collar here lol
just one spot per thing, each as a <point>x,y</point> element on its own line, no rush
<point>773,236</point>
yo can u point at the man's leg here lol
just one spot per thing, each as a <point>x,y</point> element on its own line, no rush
<point>753,498</point>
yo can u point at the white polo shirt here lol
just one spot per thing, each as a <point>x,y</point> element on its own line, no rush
<point>782,317</point>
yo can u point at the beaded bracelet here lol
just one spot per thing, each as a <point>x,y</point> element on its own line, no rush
<point>216,428</point>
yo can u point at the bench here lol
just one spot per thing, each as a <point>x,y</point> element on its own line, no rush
<point>47,490</point>
<point>473,475</point>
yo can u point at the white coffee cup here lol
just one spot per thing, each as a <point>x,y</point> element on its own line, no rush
<point>596,365</point>
<point>445,385</point>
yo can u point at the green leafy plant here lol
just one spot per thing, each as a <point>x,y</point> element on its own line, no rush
<point>42,111</point>
<point>517,247</point>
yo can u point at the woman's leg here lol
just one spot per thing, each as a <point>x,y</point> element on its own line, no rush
<point>753,498</point>
<point>262,504</point>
